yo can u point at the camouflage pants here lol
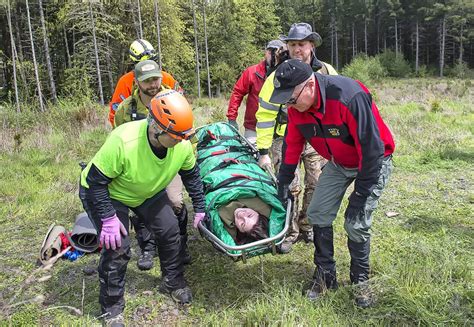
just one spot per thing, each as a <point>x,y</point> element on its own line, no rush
<point>312,163</point>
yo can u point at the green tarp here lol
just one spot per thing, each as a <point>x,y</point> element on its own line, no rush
<point>230,171</point>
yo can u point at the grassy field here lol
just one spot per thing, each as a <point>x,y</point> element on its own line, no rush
<point>422,259</point>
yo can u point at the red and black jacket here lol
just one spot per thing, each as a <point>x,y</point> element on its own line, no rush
<point>250,83</point>
<point>344,127</point>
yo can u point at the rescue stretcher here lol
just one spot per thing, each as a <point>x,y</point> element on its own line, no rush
<point>229,169</point>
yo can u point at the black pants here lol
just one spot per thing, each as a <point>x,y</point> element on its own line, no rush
<point>158,216</point>
<point>146,239</point>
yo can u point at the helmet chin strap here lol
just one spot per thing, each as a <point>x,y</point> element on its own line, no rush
<point>156,135</point>
<point>156,131</point>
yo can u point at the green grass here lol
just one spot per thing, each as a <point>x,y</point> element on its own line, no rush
<point>421,259</point>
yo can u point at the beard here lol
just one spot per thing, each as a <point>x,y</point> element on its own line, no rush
<point>151,92</point>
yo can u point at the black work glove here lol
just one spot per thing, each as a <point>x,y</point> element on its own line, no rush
<point>356,206</point>
<point>233,123</point>
<point>284,194</point>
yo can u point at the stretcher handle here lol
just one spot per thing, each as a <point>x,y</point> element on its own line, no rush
<point>269,171</point>
<point>207,233</point>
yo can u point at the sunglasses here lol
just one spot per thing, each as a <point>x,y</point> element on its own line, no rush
<point>295,99</point>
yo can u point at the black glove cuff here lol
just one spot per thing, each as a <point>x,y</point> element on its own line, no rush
<point>263,151</point>
<point>357,200</point>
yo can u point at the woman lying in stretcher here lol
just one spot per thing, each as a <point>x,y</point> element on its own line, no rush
<point>246,220</point>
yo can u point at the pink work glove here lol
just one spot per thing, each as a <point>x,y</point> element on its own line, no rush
<point>112,227</point>
<point>198,217</point>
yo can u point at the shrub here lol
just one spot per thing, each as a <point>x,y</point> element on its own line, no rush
<point>76,83</point>
<point>422,71</point>
<point>436,106</point>
<point>365,69</point>
<point>376,70</point>
<point>223,77</point>
<point>396,66</point>
<point>460,70</point>
<point>357,69</point>
<point>207,111</point>
<point>217,115</point>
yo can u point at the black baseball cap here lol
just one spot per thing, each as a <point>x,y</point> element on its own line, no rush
<point>288,76</point>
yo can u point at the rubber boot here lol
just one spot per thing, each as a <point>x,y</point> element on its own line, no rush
<point>359,272</point>
<point>324,277</point>
<point>322,281</point>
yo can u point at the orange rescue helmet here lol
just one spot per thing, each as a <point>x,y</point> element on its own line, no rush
<point>173,114</point>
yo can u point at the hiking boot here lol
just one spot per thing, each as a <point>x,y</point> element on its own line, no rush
<point>307,236</point>
<point>145,261</point>
<point>315,289</point>
<point>320,284</point>
<point>284,247</point>
<point>182,295</point>
<point>364,296</point>
<point>116,321</point>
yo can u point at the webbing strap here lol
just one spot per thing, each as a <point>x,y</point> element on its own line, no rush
<point>236,177</point>
<point>208,139</point>
<point>232,148</point>
<point>134,115</point>
<point>227,162</point>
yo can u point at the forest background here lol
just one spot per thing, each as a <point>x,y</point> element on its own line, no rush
<point>59,62</point>
<point>71,48</point>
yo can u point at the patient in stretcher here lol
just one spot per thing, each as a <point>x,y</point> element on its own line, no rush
<point>246,220</point>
